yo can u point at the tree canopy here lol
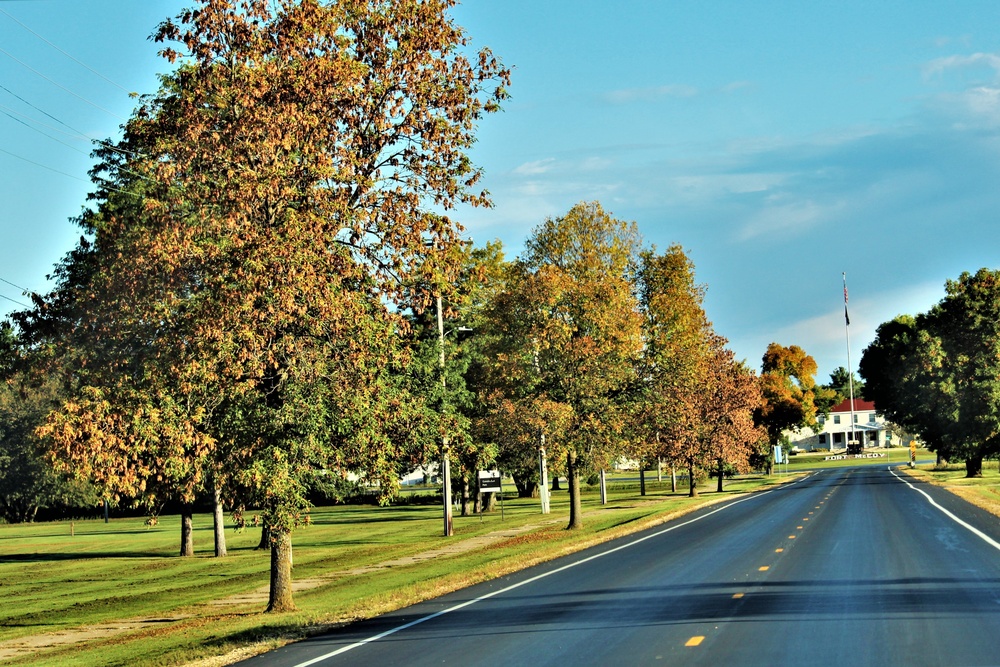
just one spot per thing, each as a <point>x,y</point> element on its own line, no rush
<point>263,210</point>
<point>937,373</point>
<point>791,398</point>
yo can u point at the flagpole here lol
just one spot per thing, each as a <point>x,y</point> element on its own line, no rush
<point>850,369</point>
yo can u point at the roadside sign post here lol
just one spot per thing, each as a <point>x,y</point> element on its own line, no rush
<point>490,480</point>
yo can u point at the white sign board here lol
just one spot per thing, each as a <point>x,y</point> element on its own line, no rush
<point>489,480</point>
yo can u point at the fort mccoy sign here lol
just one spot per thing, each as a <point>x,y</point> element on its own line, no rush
<point>842,457</point>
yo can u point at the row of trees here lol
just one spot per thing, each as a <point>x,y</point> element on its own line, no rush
<point>250,311</point>
<point>232,319</point>
<point>937,374</point>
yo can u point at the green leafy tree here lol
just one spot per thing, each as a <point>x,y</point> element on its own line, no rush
<point>676,337</point>
<point>452,406</point>
<point>937,373</point>
<point>28,482</point>
<point>572,336</point>
<point>842,382</point>
<point>263,210</point>
<point>902,369</point>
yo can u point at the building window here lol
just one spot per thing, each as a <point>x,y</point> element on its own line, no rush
<point>822,438</point>
<point>871,417</point>
<point>838,437</point>
<point>821,418</point>
<point>836,419</point>
<point>855,419</point>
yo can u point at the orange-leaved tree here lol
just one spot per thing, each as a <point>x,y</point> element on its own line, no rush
<point>572,334</point>
<point>791,399</point>
<point>676,336</point>
<point>714,426</point>
<point>261,214</point>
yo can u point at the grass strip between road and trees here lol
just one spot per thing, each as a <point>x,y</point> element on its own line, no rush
<point>982,491</point>
<point>71,587</point>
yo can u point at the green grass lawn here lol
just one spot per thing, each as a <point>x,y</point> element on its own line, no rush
<point>811,460</point>
<point>53,581</point>
<point>982,491</point>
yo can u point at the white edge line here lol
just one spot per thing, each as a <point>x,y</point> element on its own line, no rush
<point>986,538</point>
<point>345,649</point>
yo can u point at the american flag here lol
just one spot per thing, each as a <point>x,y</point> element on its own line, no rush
<point>846,316</point>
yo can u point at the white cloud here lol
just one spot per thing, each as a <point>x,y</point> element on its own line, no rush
<point>535,167</point>
<point>941,65</point>
<point>737,85</point>
<point>824,336</point>
<point>791,218</point>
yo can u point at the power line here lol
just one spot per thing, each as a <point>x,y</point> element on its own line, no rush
<point>4,280</point>
<point>43,166</point>
<point>39,109</point>
<point>82,64</point>
<point>77,134</point>
<point>4,296</point>
<point>59,85</point>
<point>35,129</point>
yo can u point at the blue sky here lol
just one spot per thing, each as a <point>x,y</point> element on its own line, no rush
<point>780,143</point>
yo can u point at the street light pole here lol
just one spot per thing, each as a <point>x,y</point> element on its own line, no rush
<point>543,471</point>
<point>445,463</point>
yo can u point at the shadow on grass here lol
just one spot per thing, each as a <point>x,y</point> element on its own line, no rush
<point>260,633</point>
<point>49,557</point>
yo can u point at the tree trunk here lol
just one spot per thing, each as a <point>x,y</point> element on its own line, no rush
<point>280,597</point>
<point>642,480</point>
<point>526,488</point>
<point>466,497</point>
<point>187,531</point>
<point>555,483</point>
<point>573,480</point>
<point>219,525</point>
<point>692,484</point>
<point>489,502</point>
<point>721,474</point>
<point>265,538</point>
<point>673,478</point>
<point>974,466</point>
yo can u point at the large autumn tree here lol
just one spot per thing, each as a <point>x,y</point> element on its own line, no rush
<point>937,373</point>
<point>676,338</point>
<point>262,212</point>
<point>571,335</point>
<point>713,425</point>
<point>791,399</point>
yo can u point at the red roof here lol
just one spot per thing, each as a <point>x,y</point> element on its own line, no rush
<point>859,406</point>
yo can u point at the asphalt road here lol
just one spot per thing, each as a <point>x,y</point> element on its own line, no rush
<point>850,566</point>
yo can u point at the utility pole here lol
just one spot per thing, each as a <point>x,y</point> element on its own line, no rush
<point>445,463</point>
<point>543,470</point>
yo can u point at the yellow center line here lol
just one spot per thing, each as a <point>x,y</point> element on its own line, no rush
<point>798,527</point>
<point>694,641</point>
<point>763,568</point>
<point>791,537</point>
<point>778,551</point>
<point>737,596</point>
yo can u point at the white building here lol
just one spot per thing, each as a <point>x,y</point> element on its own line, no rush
<point>870,429</point>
